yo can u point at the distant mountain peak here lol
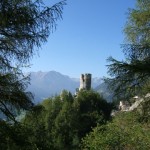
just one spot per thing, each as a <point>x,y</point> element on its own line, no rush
<point>46,84</point>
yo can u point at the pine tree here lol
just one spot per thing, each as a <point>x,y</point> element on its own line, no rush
<point>24,26</point>
<point>130,75</point>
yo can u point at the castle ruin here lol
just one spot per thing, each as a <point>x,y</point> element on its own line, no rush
<point>85,81</point>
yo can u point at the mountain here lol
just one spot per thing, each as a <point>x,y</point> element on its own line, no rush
<point>46,84</point>
<point>104,91</point>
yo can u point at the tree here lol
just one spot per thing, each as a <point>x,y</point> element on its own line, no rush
<point>35,121</point>
<point>53,108</point>
<point>16,137</point>
<point>13,96</point>
<point>91,109</point>
<point>64,120</point>
<point>24,26</point>
<point>137,26</point>
<point>63,130</point>
<point>124,132</point>
<point>133,73</point>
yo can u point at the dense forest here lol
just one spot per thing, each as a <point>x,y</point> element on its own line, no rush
<point>78,122</point>
<point>71,122</point>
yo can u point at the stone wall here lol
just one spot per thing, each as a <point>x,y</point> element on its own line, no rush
<point>85,81</point>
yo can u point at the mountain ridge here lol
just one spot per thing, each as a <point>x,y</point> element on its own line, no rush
<point>50,83</point>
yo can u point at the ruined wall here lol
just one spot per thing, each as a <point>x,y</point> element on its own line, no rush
<point>85,81</point>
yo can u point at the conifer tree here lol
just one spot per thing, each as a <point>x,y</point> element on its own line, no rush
<point>24,26</point>
<point>130,75</point>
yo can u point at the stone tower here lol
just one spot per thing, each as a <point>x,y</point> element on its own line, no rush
<point>85,81</point>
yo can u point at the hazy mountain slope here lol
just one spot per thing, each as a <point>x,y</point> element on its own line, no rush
<point>46,84</point>
<point>103,89</point>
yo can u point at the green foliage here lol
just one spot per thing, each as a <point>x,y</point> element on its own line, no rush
<point>35,120</point>
<point>24,26</point>
<point>134,72</point>
<point>13,96</point>
<point>63,120</point>
<point>91,109</point>
<point>137,27</point>
<point>15,137</point>
<point>64,127</point>
<point>125,132</point>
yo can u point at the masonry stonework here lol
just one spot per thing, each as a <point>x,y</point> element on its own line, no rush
<point>85,81</point>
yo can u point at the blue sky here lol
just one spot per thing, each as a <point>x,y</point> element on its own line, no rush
<point>90,32</point>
